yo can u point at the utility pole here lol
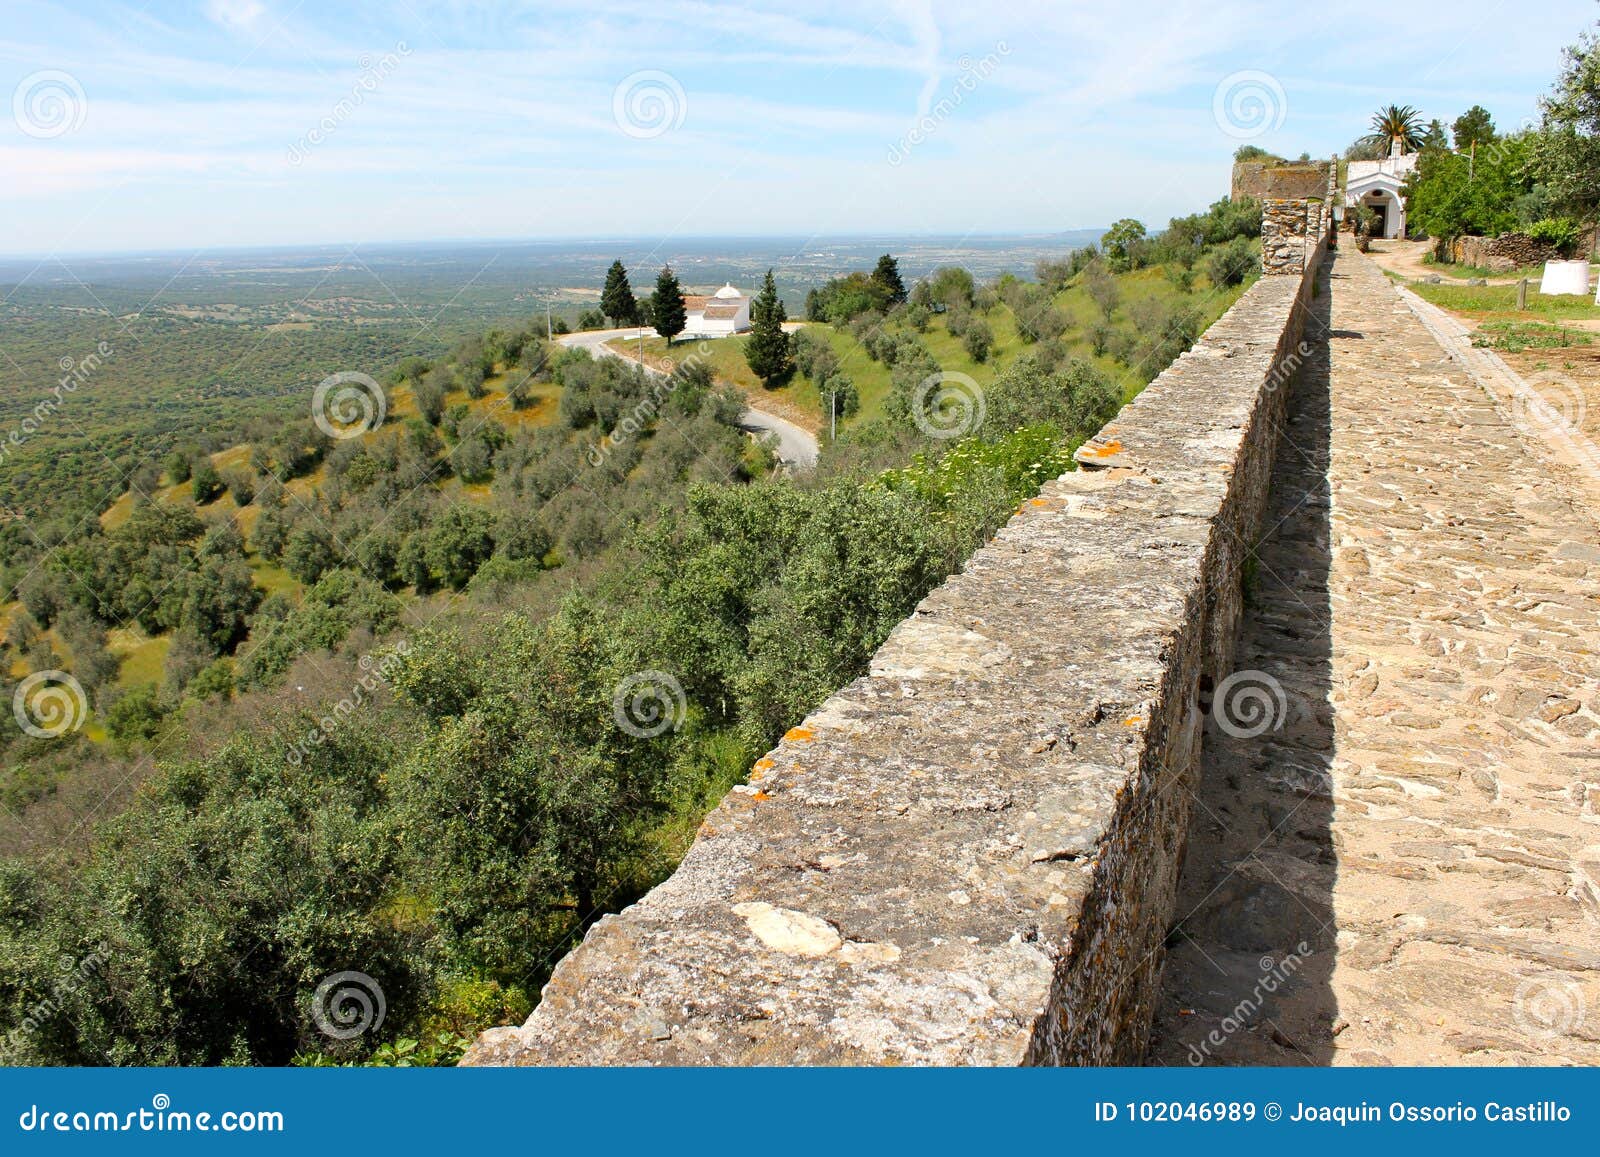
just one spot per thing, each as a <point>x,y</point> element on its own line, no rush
<point>833,415</point>
<point>548,333</point>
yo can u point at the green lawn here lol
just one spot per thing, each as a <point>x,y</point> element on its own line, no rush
<point>1499,302</point>
<point>143,657</point>
<point>1517,336</point>
<point>1463,272</point>
<point>272,578</point>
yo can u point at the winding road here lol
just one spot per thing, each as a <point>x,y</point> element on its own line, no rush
<point>796,447</point>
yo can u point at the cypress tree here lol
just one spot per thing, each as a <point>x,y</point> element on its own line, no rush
<point>666,307</point>
<point>887,274</point>
<point>617,298</point>
<point>768,350</point>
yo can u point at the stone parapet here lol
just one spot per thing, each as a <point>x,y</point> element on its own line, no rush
<point>1274,180</point>
<point>970,854</point>
<point>1290,233</point>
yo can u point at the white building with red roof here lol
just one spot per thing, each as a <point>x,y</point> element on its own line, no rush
<point>723,313</point>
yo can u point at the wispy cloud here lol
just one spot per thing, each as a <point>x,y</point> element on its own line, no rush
<point>241,14</point>
<point>499,119</point>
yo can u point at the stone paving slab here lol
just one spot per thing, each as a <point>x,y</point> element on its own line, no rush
<point>1396,857</point>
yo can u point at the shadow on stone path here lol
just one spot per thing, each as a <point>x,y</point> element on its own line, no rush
<point>1247,975</point>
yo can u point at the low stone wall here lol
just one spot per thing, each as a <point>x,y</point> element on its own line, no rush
<point>970,855</point>
<point>1501,254</point>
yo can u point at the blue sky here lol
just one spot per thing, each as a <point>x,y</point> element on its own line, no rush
<point>260,122</point>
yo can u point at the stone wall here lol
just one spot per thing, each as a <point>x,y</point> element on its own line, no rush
<point>1291,232</point>
<point>970,855</point>
<point>1270,181</point>
<point>1503,253</point>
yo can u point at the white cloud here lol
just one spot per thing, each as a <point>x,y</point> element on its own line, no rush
<point>245,14</point>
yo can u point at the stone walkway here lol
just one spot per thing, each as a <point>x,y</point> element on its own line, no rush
<point>1399,861</point>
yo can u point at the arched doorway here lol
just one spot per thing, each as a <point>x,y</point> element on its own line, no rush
<point>1391,218</point>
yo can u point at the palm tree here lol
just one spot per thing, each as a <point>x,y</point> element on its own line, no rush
<point>1397,122</point>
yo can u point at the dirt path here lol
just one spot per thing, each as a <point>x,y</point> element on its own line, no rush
<point>1398,255</point>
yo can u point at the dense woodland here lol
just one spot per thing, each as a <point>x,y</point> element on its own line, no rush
<point>386,733</point>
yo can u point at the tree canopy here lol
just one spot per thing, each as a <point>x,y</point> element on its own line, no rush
<point>1119,241</point>
<point>667,312</point>
<point>1396,122</point>
<point>1453,194</point>
<point>768,350</point>
<point>887,274</point>
<point>1475,126</point>
<point>1566,152</point>
<point>616,299</point>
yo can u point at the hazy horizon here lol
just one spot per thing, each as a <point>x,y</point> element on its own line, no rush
<point>1070,233</point>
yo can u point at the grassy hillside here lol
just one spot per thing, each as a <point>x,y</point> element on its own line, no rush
<point>800,401</point>
<point>1124,357</point>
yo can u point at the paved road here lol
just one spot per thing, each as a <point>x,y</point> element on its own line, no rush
<point>1410,852</point>
<point>796,447</point>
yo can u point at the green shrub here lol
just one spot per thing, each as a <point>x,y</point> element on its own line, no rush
<point>1560,232</point>
<point>1230,264</point>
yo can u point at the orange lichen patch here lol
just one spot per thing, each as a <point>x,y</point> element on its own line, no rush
<point>759,795</point>
<point>765,763</point>
<point>799,735</point>
<point>1038,502</point>
<point>1133,721</point>
<point>1103,449</point>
